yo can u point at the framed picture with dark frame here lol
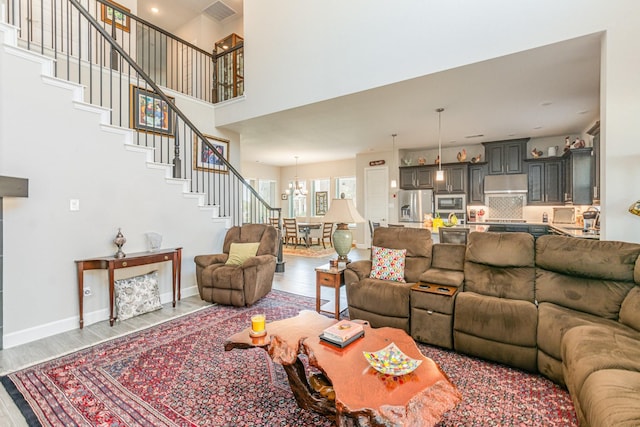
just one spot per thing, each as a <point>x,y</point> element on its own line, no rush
<point>203,157</point>
<point>149,112</point>
<point>111,15</point>
<point>322,202</point>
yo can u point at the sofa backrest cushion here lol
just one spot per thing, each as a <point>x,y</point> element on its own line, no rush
<point>501,249</point>
<point>630,310</point>
<point>417,242</point>
<point>591,276</point>
<point>594,296</point>
<point>608,260</point>
<point>500,265</point>
<point>250,233</point>
<point>448,256</point>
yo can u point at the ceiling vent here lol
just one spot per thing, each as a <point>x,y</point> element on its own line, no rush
<point>219,11</point>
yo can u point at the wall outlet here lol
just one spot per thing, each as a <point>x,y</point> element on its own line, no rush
<point>87,291</point>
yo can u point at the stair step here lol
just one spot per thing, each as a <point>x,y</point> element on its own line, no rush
<point>76,89</point>
<point>92,108</point>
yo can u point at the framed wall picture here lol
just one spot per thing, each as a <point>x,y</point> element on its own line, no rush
<point>111,15</point>
<point>205,159</point>
<point>149,112</point>
<point>322,203</point>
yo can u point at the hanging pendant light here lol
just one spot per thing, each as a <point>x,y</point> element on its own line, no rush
<point>439,172</point>
<point>296,188</point>
<point>394,182</point>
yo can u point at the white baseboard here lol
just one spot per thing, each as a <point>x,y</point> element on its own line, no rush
<point>25,336</point>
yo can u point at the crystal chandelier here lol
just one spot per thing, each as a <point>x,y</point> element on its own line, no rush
<point>296,188</point>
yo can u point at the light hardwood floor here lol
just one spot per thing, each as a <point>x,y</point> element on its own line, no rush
<point>298,277</point>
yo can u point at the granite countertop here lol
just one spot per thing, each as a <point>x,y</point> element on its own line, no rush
<point>575,231</point>
<point>571,230</point>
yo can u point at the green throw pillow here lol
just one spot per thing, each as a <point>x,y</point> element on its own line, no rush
<point>240,252</point>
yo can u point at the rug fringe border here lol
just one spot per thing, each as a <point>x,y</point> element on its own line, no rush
<point>20,402</point>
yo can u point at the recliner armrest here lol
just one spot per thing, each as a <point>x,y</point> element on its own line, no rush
<point>258,260</point>
<point>361,269</point>
<point>442,276</point>
<point>206,260</point>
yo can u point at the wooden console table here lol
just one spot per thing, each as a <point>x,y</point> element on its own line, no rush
<point>131,260</point>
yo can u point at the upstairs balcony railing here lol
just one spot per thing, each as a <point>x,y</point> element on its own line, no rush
<point>124,63</point>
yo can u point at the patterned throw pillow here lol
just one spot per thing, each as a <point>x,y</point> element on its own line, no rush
<point>137,295</point>
<point>387,264</point>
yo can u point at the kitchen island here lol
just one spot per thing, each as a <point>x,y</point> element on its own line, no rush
<point>535,228</point>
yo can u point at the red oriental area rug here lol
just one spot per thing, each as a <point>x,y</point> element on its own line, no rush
<point>178,374</point>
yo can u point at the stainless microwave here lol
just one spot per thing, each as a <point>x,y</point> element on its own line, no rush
<point>451,203</point>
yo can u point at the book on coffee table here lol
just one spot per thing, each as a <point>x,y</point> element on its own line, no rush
<point>343,330</point>
<point>341,344</point>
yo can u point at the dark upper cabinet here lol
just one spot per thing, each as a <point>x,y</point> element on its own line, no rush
<point>455,178</point>
<point>505,157</point>
<point>578,176</point>
<point>477,172</point>
<point>416,177</point>
<point>545,181</point>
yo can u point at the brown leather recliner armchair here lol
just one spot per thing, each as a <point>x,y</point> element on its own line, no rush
<point>244,284</point>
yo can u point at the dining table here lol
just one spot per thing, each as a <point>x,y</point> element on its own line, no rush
<point>305,228</point>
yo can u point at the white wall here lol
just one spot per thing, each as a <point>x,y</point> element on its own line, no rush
<point>65,154</point>
<point>308,52</point>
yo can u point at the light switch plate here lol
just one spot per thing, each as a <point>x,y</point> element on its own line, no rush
<point>74,205</point>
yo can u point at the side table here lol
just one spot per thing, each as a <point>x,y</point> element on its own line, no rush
<point>332,277</point>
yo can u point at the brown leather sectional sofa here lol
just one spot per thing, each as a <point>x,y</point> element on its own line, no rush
<point>564,307</point>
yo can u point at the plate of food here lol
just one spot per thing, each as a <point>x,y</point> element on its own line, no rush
<point>391,361</point>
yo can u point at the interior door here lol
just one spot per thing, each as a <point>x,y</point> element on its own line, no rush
<point>376,198</point>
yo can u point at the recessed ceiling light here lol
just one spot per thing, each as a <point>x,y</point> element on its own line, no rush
<point>155,10</point>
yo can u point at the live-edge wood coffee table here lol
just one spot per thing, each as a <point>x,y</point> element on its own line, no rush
<point>363,396</point>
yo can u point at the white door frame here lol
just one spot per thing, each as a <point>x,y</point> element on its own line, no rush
<point>372,206</point>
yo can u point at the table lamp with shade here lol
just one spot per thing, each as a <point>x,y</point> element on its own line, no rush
<point>342,212</point>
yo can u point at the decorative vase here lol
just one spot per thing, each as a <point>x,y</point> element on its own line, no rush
<point>154,240</point>
<point>119,241</point>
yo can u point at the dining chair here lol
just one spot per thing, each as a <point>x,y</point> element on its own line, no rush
<point>291,235</point>
<point>372,227</point>
<point>327,233</point>
<point>453,235</point>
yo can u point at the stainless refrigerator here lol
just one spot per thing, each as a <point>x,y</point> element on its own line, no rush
<point>414,204</point>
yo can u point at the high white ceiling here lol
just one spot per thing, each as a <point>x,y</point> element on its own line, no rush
<point>549,91</point>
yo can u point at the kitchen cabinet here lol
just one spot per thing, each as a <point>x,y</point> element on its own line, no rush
<point>578,176</point>
<point>505,157</point>
<point>545,185</point>
<point>477,172</point>
<point>416,177</point>
<point>595,132</point>
<point>455,178</point>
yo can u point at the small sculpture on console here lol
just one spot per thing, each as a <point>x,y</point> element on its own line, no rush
<point>535,153</point>
<point>437,161</point>
<point>120,240</point>
<point>567,144</point>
